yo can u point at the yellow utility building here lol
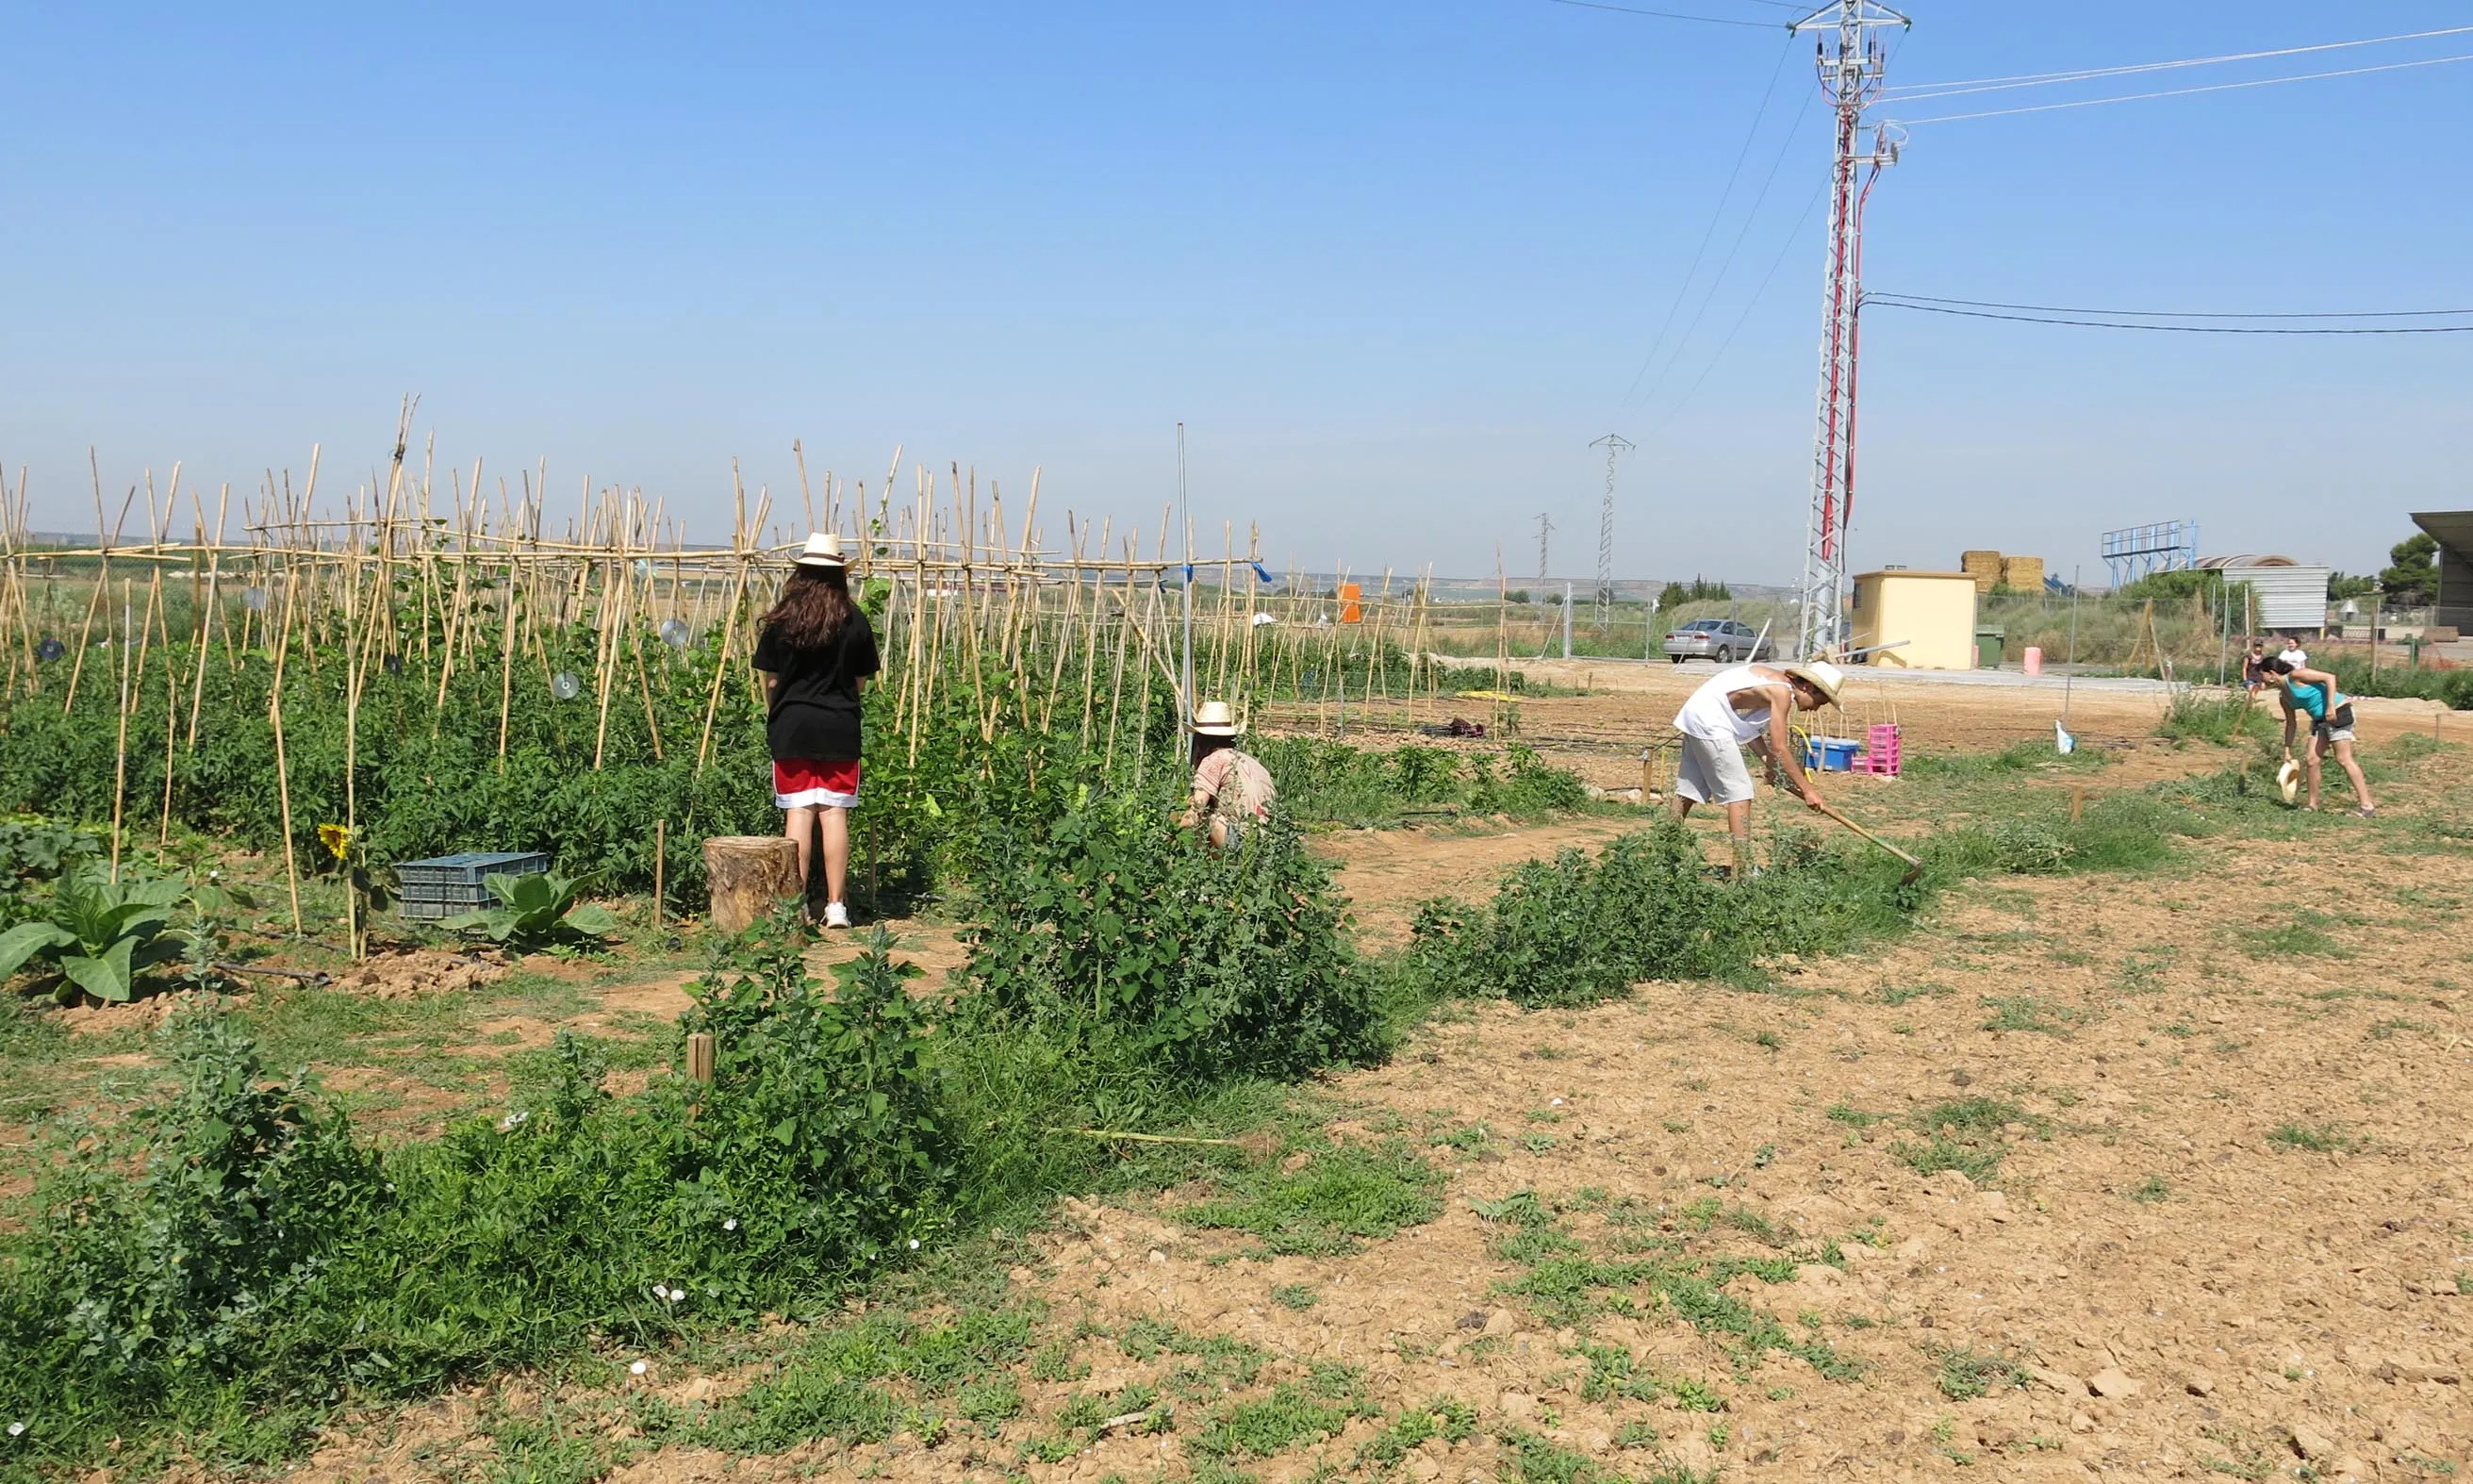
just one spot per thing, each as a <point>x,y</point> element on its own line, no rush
<point>1933,611</point>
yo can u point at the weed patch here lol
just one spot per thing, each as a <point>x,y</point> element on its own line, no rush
<point>1339,1197</point>
<point>2315,1138</point>
<point>1967,1372</point>
<point>2026,1012</point>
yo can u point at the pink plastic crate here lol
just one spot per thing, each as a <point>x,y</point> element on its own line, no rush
<point>1881,751</point>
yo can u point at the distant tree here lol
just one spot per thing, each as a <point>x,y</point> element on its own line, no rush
<point>1676,594</point>
<point>2179,584</point>
<point>2341,587</point>
<point>2413,573</point>
<point>1516,595</point>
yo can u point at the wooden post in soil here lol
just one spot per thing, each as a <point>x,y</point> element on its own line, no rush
<point>282,768</point>
<point>721,662</point>
<point>1090,637</point>
<point>748,876</point>
<point>1117,677</point>
<point>120,766</point>
<point>206,618</point>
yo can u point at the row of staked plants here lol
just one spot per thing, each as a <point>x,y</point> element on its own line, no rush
<point>430,772</point>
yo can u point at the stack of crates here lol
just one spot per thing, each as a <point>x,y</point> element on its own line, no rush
<point>1881,751</point>
<point>445,885</point>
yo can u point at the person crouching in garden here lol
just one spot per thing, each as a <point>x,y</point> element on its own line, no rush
<point>2331,728</point>
<point>814,653</point>
<point>1231,789</point>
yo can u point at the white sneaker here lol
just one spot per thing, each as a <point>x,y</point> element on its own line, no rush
<point>836,914</point>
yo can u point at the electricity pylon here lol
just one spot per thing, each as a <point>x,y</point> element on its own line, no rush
<point>1852,66</point>
<point>1616,446</point>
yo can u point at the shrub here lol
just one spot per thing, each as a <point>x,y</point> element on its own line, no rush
<point>234,1253</point>
<point>1114,929</point>
<point>1580,928</point>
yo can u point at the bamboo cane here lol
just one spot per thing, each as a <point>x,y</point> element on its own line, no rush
<point>120,764</point>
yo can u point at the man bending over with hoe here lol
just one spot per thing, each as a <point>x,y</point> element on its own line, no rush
<point>1744,707</point>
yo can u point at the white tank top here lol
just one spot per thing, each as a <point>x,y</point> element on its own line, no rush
<point>1711,715</point>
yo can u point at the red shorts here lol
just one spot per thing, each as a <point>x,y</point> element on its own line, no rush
<point>800,784</point>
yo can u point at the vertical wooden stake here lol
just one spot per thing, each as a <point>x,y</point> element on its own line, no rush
<point>660,857</point>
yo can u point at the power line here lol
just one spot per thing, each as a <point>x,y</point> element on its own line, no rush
<point>1734,249</point>
<point>1919,91</point>
<point>1683,290</point>
<point>1885,302</point>
<point>1794,234</point>
<point>2183,92</point>
<point>1706,20</point>
<point>2186,314</point>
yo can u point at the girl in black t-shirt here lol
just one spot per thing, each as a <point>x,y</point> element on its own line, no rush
<point>814,653</point>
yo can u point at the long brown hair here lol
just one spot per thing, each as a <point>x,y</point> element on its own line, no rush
<point>814,605</point>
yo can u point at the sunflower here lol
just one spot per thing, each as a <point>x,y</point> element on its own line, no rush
<point>337,840</point>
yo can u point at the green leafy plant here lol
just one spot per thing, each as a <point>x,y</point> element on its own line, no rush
<point>99,936</point>
<point>1581,928</point>
<point>35,850</point>
<point>535,912</point>
<point>1115,930</point>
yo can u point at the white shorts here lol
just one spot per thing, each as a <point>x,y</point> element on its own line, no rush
<point>1713,772</point>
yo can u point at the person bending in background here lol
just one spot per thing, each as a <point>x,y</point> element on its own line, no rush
<point>2314,694</point>
<point>814,653</point>
<point>1744,707</point>
<point>1233,792</point>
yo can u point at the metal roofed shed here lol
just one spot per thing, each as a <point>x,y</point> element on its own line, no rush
<point>2452,605</point>
<point>2288,594</point>
<point>1929,615</point>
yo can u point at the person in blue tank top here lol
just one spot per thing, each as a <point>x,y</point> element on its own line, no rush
<point>2314,694</point>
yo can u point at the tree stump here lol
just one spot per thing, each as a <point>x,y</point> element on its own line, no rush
<point>750,876</point>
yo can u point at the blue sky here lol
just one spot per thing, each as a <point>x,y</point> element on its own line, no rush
<point>1395,265</point>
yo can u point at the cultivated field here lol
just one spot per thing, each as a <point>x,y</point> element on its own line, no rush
<point>2145,1159</point>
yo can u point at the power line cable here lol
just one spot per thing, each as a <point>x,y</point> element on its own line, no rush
<point>1683,290</point>
<point>2185,314</point>
<point>1735,248</point>
<point>1706,20</point>
<point>1885,302</point>
<point>2183,92</point>
<point>1793,236</point>
<point>1915,92</point>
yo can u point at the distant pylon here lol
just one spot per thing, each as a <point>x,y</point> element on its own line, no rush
<point>1545,528</point>
<point>1616,446</point>
<point>1851,68</point>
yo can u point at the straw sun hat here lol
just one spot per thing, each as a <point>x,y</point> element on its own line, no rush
<point>1821,676</point>
<point>1213,719</point>
<point>823,548</point>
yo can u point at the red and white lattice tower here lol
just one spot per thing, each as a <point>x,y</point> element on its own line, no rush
<point>1849,54</point>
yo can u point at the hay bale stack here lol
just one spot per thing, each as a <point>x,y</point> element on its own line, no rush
<point>2023,574</point>
<point>1985,567</point>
